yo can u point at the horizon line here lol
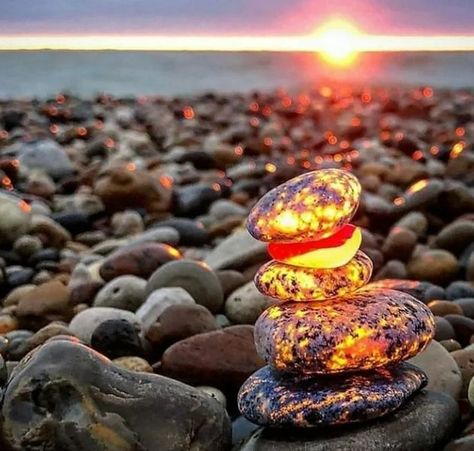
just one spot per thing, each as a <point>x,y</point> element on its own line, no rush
<point>304,43</point>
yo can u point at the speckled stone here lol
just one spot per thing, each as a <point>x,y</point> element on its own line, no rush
<point>305,208</point>
<point>364,330</point>
<point>424,423</point>
<point>271,398</point>
<point>286,282</point>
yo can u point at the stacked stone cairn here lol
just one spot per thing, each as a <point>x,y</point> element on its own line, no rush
<point>334,346</point>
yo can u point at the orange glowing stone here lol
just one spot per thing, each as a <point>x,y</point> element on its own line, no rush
<point>331,252</point>
<point>309,207</point>
<point>295,283</point>
<point>364,330</point>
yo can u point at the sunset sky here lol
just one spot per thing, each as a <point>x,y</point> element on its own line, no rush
<point>211,18</point>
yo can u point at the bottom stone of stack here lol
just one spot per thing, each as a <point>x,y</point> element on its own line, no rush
<point>272,398</point>
<point>424,423</point>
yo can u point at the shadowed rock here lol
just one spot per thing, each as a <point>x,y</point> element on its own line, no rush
<point>65,396</point>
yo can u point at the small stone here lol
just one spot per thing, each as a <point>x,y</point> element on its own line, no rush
<point>460,289</point>
<point>117,338</point>
<point>159,301</point>
<point>165,235</point>
<point>126,223</point>
<point>440,367</point>
<point>51,233</point>
<point>450,345</point>
<point>192,233</point>
<point>464,327</point>
<point>121,188</point>
<point>435,266</point>
<point>27,245</point>
<point>194,200</point>
<point>85,323</point>
<point>223,208</point>
<point>399,244</point>
<point>46,155</point>
<point>393,269</point>
<point>456,236</point>
<point>15,219</point>
<point>443,329</point>
<point>143,410</point>
<point>133,363</point>
<point>138,260</point>
<point>272,398</point>
<point>195,277</point>
<point>467,306</point>
<point>424,423</point>
<point>222,359</point>
<point>47,302</point>
<point>239,250</point>
<point>245,304</point>
<point>443,308</point>
<point>230,280</point>
<point>41,336</point>
<point>414,221</point>
<point>123,292</point>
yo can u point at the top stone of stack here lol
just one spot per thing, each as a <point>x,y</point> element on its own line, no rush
<point>310,207</point>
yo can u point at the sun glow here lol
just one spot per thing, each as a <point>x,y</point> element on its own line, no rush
<point>338,42</point>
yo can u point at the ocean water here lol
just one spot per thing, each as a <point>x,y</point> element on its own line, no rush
<point>44,73</point>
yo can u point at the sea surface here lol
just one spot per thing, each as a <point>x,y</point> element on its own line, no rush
<point>44,73</point>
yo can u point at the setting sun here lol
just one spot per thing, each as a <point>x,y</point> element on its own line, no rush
<point>338,42</point>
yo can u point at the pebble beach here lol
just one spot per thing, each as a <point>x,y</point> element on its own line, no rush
<point>127,291</point>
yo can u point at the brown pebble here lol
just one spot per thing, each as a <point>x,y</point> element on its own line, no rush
<point>443,308</point>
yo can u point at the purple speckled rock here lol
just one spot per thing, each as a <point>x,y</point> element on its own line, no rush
<point>271,398</point>
<point>363,330</point>
<point>307,207</point>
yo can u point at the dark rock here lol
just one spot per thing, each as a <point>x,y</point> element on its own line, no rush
<point>467,306</point>
<point>423,424</point>
<point>116,338</point>
<point>464,327</point>
<point>75,222</point>
<point>67,397</point>
<point>191,233</point>
<point>443,329</point>
<point>276,399</point>
<point>456,236</point>
<point>460,289</point>
<point>195,200</point>
<point>20,277</point>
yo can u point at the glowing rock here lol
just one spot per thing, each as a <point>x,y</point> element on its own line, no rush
<point>331,252</point>
<point>295,283</point>
<point>364,330</point>
<point>308,207</point>
<point>271,398</point>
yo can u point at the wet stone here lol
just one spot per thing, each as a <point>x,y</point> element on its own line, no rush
<point>271,398</point>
